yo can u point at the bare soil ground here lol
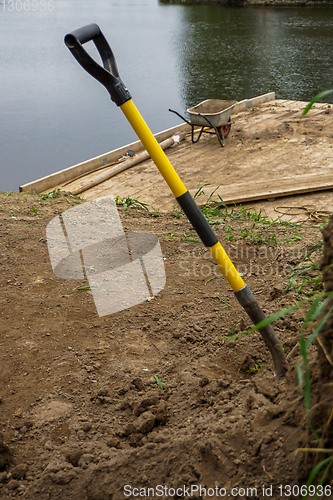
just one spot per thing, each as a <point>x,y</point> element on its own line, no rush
<point>160,395</point>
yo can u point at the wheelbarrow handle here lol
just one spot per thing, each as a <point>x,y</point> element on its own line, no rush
<point>107,75</point>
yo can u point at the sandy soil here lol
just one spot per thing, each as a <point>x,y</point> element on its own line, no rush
<point>158,394</point>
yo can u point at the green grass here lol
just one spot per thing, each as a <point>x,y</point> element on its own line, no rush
<point>129,202</point>
<point>159,382</point>
<point>315,99</point>
<point>242,223</point>
<point>237,222</point>
<point>306,277</point>
<point>256,368</point>
<point>224,302</point>
<point>189,239</point>
<point>51,195</point>
<point>316,320</point>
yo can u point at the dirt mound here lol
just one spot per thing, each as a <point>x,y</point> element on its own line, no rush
<point>153,401</point>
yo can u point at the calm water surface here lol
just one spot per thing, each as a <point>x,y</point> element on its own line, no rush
<point>54,115</point>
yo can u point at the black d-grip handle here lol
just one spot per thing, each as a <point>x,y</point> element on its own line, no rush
<point>107,76</point>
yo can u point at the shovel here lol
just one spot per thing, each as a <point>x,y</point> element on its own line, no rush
<point>109,77</point>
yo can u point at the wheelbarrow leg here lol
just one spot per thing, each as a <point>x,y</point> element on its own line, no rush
<point>192,134</point>
<point>190,124</point>
<point>220,137</point>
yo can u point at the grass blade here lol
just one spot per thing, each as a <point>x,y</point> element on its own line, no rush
<point>315,471</point>
<point>315,99</point>
<point>319,326</point>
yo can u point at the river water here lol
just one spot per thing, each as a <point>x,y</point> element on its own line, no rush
<point>53,114</point>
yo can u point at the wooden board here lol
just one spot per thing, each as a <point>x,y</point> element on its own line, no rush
<point>272,188</point>
<point>49,182</point>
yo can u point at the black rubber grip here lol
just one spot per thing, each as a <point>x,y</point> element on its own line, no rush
<point>197,219</point>
<point>107,75</point>
<point>83,35</point>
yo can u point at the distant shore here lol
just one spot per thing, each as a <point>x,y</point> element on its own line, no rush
<point>268,3</point>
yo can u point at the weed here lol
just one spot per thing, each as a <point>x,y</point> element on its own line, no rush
<point>177,212</point>
<point>34,210</point>
<point>89,288</point>
<point>159,383</point>
<point>256,217</point>
<point>200,192</point>
<point>131,203</point>
<point>52,194</point>
<point>155,213</point>
<point>232,331</point>
<point>211,279</point>
<point>313,314</point>
<point>78,201</point>
<point>224,302</point>
<point>254,225</point>
<point>188,239</point>
<point>259,238</point>
<point>300,276</point>
<point>230,232</point>
<point>256,368</point>
<point>239,222</point>
<point>295,236</point>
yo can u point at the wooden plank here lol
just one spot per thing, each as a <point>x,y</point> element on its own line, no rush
<point>50,181</point>
<point>273,188</point>
<point>111,172</point>
<point>255,101</point>
<point>260,99</point>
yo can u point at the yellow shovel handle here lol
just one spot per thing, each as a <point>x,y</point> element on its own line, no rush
<point>180,192</point>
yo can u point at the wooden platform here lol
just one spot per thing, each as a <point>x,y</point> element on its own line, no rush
<point>271,152</point>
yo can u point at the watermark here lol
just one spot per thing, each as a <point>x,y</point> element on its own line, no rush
<point>266,261</point>
<point>265,491</point>
<point>28,5</point>
<point>123,268</point>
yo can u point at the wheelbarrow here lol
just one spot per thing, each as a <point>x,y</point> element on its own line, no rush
<point>212,112</point>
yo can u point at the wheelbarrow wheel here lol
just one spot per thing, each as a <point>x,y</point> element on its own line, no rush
<point>225,130</point>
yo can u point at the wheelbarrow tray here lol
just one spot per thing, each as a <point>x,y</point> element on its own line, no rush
<point>218,112</point>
